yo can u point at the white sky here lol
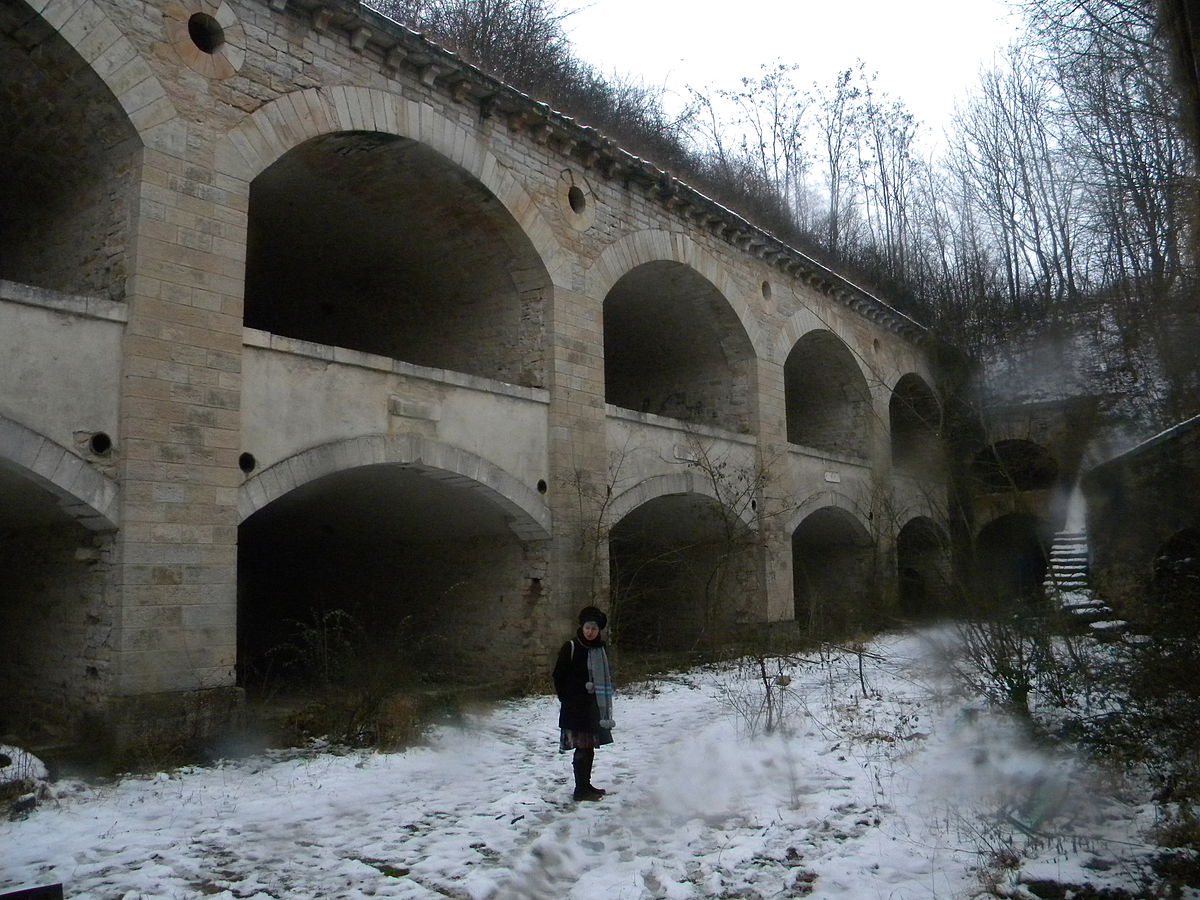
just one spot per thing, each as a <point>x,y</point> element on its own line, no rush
<point>927,52</point>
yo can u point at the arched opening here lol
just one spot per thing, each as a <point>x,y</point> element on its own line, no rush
<point>55,613</point>
<point>1176,583</point>
<point>914,418</point>
<point>382,577</point>
<point>681,573</point>
<point>828,402</point>
<point>1013,465</point>
<point>674,347</point>
<point>923,569</point>
<point>833,573</point>
<point>67,180</point>
<point>1011,554</point>
<point>377,243</point>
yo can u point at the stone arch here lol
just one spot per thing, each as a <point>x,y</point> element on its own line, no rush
<point>680,573</point>
<point>1011,556</point>
<point>655,245</point>
<point>84,493</point>
<point>834,587</point>
<point>112,57</point>
<point>923,568</point>
<point>829,498</point>
<point>529,517</point>
<point>68,178</point>
<point>664,486</point>
<point>289,121</point>
<point>914,424</point>
<point>826,396</point>
<point>804,321</point>
<point>1014,464</point>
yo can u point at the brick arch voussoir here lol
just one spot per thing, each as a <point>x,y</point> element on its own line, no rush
<point>288,121</point>
<point>830,499</point>
<point>85,26</point>
<point>528,515</point>
<point>653,245</point>
<point>665,486</point>
<point>84,493</point>
<point>803,323</point>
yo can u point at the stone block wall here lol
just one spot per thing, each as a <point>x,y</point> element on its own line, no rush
<point>1155,485</point>
<point>57,616</point>
<point>519,224</point>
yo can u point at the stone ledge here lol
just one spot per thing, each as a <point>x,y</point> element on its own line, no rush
<point>828,456</point>
<point>82,305</point>
<point>678,426</point>
<point>265,340</point>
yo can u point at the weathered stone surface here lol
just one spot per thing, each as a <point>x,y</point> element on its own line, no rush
<point>337,286</point>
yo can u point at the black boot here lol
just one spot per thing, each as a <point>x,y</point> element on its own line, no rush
<point>582,766</point>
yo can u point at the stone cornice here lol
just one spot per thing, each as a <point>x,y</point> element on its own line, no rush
<point>397,47</point>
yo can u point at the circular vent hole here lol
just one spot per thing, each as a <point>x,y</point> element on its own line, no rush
<point>766,290</point>
<point>542,486</point>
<point>577,198</point>
<point>100,443</point>
<point>247,462</point>
<point>206,32</point>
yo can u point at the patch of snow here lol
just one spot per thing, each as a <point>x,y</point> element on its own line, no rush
<point>20,765</point>
<point>897,791</point>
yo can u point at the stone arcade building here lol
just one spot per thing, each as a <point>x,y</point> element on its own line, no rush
<point>298,310</point>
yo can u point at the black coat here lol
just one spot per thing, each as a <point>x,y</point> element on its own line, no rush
<point>579,710</point>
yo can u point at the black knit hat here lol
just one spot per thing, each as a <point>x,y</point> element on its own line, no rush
<point>592,614</point>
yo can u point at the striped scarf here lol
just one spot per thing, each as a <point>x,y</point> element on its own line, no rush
<point>601,676</point>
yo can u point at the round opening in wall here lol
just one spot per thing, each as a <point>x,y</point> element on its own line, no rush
<point>100,443</point>
<point>542,486</point>
<point>766,290</point>
<point>206,32</point>
<point>247,462</point>
<point>577,198</point>
<point>754,504</point>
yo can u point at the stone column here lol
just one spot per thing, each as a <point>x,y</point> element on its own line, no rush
<point>176,628</point>
<point>775,507</point>
<point>578,458</point>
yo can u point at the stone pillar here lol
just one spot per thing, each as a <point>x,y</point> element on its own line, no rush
<point>775,507</point>
<point>578,455</point>
<point>176,628</point>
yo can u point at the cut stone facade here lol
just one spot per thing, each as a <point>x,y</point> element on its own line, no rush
<point>349,318</point>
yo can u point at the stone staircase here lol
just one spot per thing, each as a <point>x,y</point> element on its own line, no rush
<point>1067,579</point>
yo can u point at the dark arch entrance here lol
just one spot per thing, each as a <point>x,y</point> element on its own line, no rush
<point>386,575</point>
<point>1014,465</point>
<point>674,347</point>
<point>828,402</point>
<point>914,418</point>
<point>923,569</point>
<point>1176,583</point>
<point>67,178</point>
<point>681,573</point>
<point>55,613</point>
<point>1011,554</point>
<point>377,243</point>
<point>833,573</point>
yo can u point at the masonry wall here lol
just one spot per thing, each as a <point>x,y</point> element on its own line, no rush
<point>192,400</point>
<point>56,624</point>
<point>1158,487</point>
<point>66,193</point>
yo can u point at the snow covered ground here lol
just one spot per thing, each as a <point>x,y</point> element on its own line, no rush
<point>906,792</point>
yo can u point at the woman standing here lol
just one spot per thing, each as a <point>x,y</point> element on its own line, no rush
<point>583,681</point>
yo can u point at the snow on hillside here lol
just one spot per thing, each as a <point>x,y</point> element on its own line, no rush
<point>906,792</point>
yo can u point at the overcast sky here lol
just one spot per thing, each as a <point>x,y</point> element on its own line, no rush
<point>927,52</point>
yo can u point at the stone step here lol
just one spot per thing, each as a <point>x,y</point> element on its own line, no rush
<point>1109,628</point>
